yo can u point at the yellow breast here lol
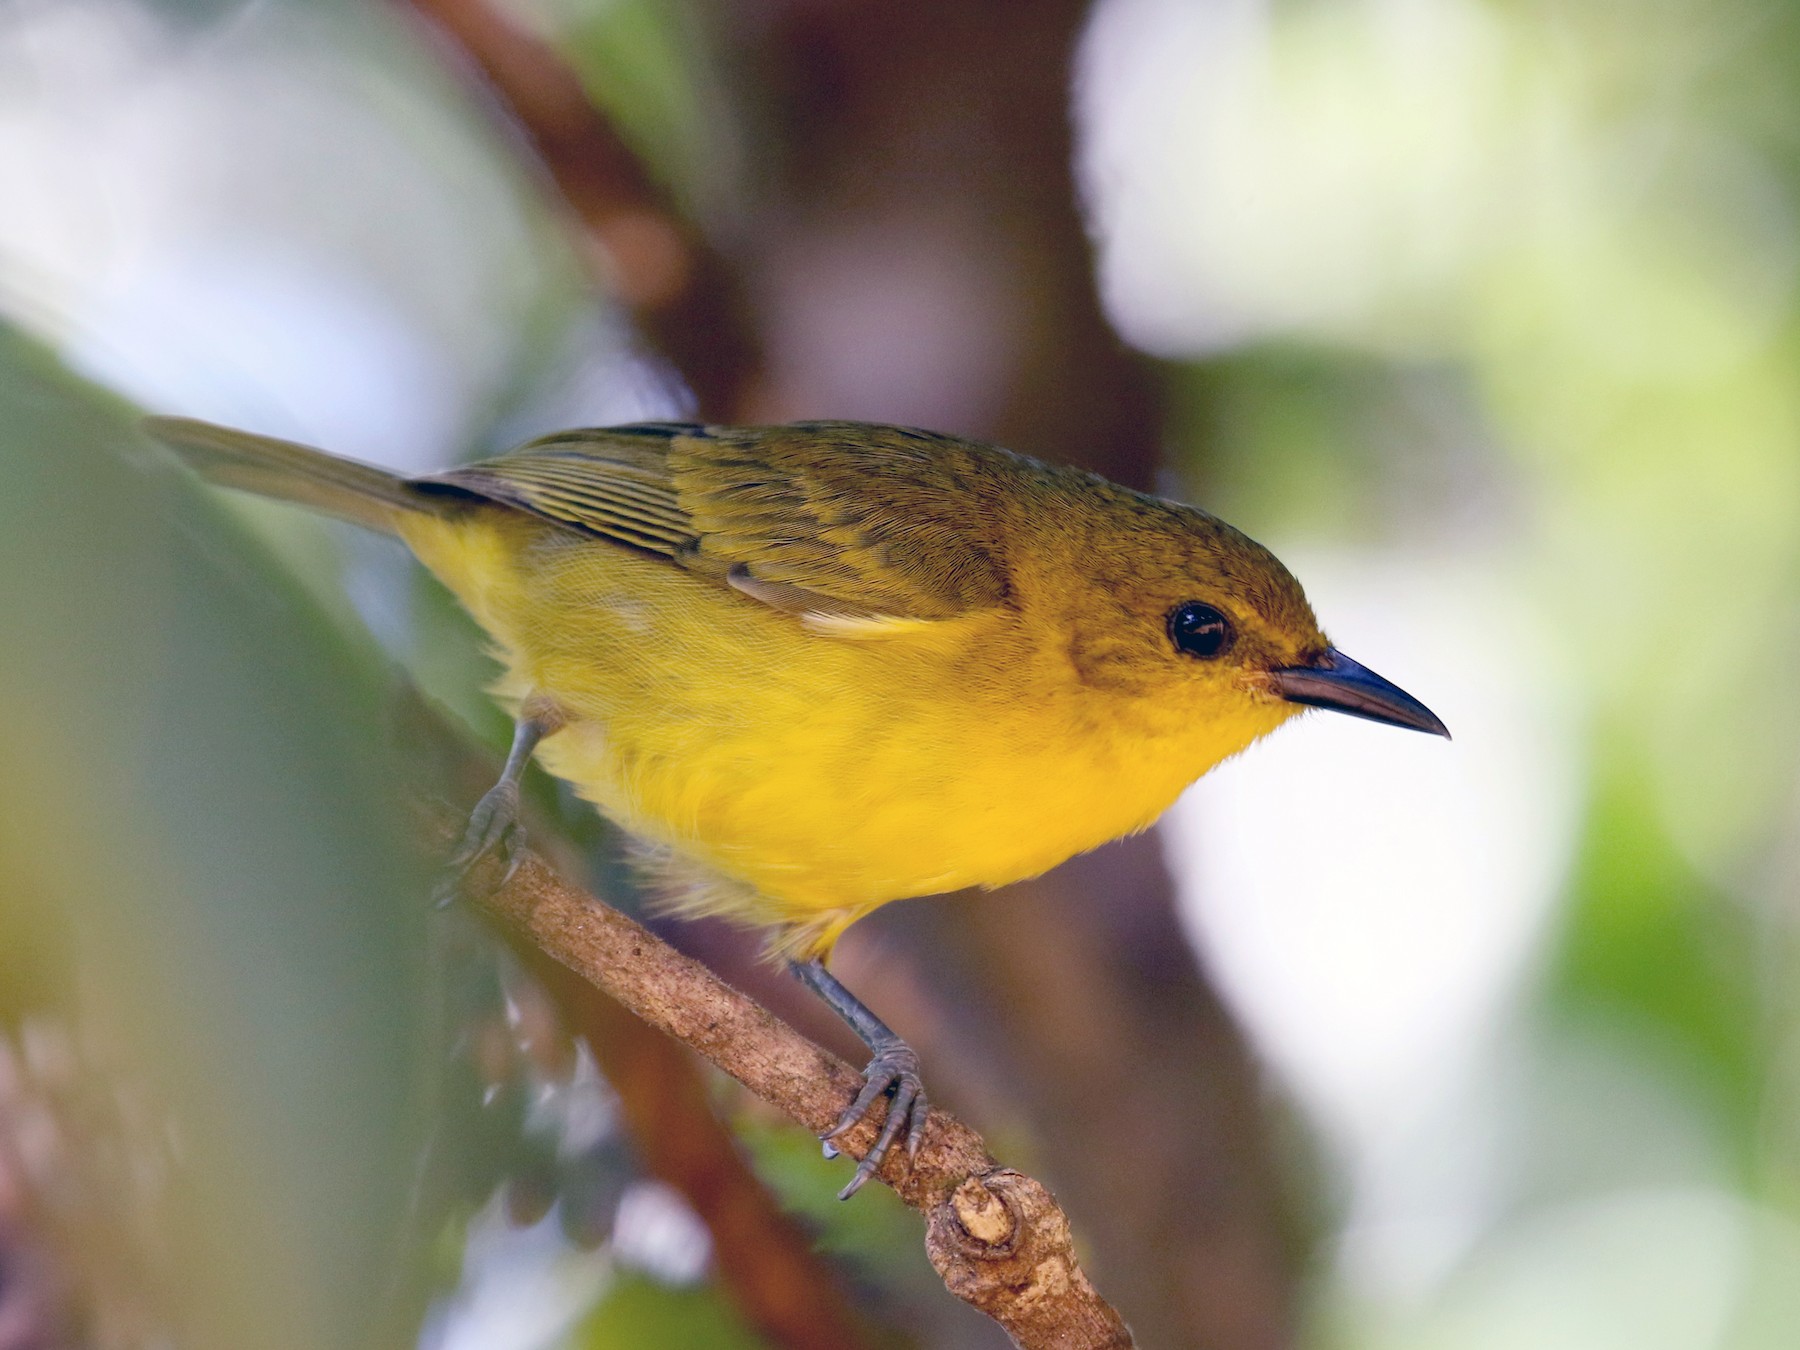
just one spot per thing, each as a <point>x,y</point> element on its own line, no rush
<point>825,775</point>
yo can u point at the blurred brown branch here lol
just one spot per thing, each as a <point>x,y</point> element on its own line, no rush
<point>996,1236</point>
<point>679,290</point>
<point>765,1260</point>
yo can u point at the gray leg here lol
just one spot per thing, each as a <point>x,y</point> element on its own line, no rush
<point>893,1071</point>
<point>494,823</point>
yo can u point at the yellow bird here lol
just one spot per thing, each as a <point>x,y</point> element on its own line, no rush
<point>824,666</point>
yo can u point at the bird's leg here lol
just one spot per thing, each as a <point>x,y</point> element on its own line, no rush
<point>494,823</point>
<point>893,1071</point>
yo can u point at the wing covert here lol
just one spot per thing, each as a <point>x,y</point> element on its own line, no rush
<point>874,520</point>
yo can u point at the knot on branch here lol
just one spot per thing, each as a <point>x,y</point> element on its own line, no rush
<point>984,1215</point>
<point>1001,1243</point>
<point>997,1227</point>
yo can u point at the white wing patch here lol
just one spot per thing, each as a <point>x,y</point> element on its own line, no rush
<point>820,614</point>
<point>864,627</point>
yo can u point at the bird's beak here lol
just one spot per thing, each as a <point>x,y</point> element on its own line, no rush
<point>1335,681</point>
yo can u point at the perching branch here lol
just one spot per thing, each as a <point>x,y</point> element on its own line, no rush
<point>996,1236</point>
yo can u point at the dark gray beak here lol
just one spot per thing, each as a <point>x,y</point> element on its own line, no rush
<point>1335,681</point>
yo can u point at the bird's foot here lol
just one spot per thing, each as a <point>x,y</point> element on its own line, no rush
<point>494,827</point>
<point>893,1073</point>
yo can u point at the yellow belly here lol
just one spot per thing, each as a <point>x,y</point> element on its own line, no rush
<point>825,775</point>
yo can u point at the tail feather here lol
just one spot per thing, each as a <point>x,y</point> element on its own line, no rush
<point>360,493</point>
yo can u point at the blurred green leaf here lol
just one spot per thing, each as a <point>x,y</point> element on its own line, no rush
<point>638,1313</point>
<point>1648,941</point>
<point>202,798</point>
<point>882,1235</point>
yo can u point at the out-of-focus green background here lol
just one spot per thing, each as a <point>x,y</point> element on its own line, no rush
<point>1483,315</point>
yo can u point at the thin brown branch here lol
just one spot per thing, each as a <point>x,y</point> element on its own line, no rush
<point>683,295</point>
<point>996,1236</point>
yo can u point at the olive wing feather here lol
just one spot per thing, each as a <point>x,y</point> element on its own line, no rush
<point>611,482</point>
<point>837,521</point>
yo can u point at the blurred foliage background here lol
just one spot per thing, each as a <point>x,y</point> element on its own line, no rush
<point>1481,314</point>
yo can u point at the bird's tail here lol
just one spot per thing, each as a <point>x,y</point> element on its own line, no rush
<point>360,493</point>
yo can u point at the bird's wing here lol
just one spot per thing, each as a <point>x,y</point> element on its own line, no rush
<point>856,527</point>
<point>613,482</point>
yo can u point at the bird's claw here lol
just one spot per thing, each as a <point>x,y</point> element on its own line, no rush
<point>493,827</point>
<point>894,1073</point>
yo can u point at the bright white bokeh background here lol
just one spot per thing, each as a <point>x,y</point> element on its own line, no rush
<point>1569,217</point>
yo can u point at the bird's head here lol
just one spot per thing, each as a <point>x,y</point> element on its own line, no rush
<point>1209,636</point>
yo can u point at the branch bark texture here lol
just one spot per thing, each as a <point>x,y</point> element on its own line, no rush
<point>996,1236</point>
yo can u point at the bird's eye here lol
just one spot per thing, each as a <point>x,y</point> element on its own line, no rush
<point>1199,630</point>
